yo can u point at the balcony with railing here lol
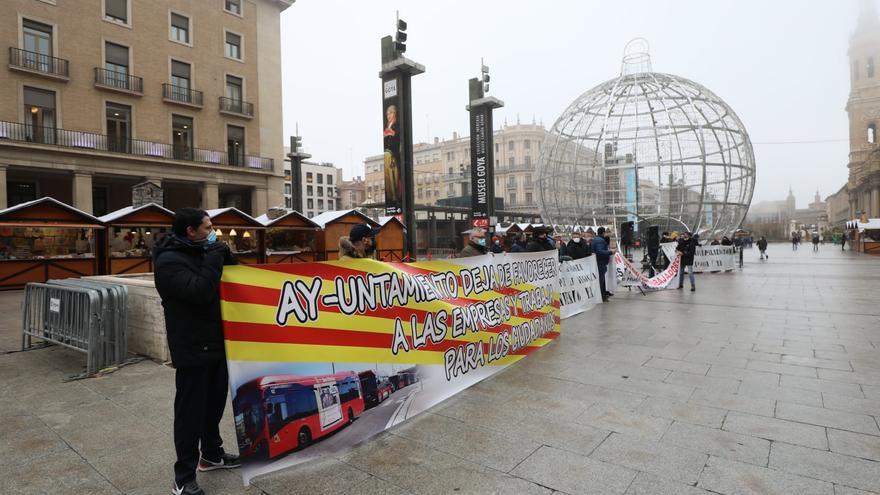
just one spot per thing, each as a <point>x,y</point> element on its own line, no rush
<point>38,63</point>
<point>181,95</point>
<point>119,81</point>
<point>88,141</point>
<point>237,108</point>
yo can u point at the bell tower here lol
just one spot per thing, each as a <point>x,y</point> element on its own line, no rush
<point>863,108</point>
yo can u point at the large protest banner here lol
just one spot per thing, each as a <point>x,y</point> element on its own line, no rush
<point>707,258</point>
<point>629,275</point>
<point>324,355</point>
<point>579,288</point>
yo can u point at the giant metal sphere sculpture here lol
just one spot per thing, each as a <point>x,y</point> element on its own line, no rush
<point>650,148</point>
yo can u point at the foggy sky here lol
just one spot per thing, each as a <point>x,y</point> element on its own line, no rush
<point>781,65</point>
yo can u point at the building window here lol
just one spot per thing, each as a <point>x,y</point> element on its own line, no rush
<point>288,203</point>
<point>116,10</point>
<point>497,148</point>
<point>512,199</point>
<point>233,6</point>
<point>528,198</point>
<point>20,192</point>
<point>287,189</point>
<point>233,46</point>
<point>510,146</point>
<point>310,191</point>
<point>872,134</point>
<point>420,193</point>
<point>510,162</point>
<point>320,188</point>
<point>320,178</point>
<point>329,179</point>
<point>309,177</point>
<point>528,179</point>
<point>235,144</point>
<point>527,144</point>
<point>235,93</point>
<point>116,61</point>
<point>39,110</point>
<point>320,204</point>
<point>180,28</point>
<point>37,39</point>
<point>511,181</point>
<point>528,160</point>
<point>180,81</point>
<point>855,70</point>
<point>182,137</point>
<point>118,127</point>
<point>870,68</point>
<point>310,203</point>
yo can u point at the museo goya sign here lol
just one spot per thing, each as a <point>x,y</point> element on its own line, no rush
<point>324,355</point>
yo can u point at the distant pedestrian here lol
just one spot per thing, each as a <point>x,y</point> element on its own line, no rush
<point>715,242</point>
<point>687,247</point>
<point>496,245</point>
<point>815,242</point>
<point>577,248</point>
<point>188,265</point>
<point>725,241</point>
<point>519,245</point>
<point>762,246</point>
<point>603,257</point>
<point>476,245</point>
<point>539,241</point>
<point>843,242</point>
<point>794,241</point>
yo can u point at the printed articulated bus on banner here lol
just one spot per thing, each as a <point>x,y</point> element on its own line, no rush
<point>324,355</point>
<point>629,275</point>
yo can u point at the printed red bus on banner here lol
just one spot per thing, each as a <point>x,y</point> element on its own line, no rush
<point>280,413</point>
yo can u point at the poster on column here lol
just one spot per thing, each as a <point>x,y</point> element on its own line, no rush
<point>707,258</point>
<point>322,356</point>
<point>579,288</point>
<point>628,275</point>
<point>392,163</point>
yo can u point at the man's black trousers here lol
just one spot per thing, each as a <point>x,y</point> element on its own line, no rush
<point>198,408</point>
<point>603,267</point>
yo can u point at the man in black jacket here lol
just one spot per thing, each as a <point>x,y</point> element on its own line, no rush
<point>577,248</point>
<point>539,240</point>
<point>188,265</point>
<point>687,247</point>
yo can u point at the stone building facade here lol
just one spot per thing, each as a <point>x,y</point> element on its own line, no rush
<point>101,95</point>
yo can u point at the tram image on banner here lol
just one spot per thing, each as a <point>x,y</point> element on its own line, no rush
<point>280,413</point>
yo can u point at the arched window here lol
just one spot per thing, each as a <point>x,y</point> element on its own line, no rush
<point>872,134</point>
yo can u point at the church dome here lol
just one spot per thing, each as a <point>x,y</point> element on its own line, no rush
<point>652,148</point>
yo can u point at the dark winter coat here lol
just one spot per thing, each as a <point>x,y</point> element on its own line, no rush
<point>688,249</point>
<point>517,247</point>
<point>600,249</point>
<point>537,244</point>
<point>762,244</point>
<point>187,277</point>
<point>578,250</point>
<point>472,249</point>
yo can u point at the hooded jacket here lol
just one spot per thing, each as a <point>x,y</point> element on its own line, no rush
<point>187,277</point>
<point>348,251</point>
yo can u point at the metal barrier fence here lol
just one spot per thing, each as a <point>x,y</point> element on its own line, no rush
<point>84,315</point>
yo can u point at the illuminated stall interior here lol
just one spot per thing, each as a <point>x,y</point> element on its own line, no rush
<point>244,234</point>
<point>126,244</point>
<point>290,238</point>
<point>46,239</point>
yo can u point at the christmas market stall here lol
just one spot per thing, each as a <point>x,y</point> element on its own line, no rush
<point>290,237</point>
<point>390,240</point>
<point>243,233</point>
<point>126,244</point>
<point>336,224</point>
<point>46,239</point>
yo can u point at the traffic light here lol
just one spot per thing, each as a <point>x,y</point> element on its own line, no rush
<point>296,144</point>
<point>400,37</point>
<point>484,73</point>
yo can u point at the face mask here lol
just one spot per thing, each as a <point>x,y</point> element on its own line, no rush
<point>481,242</point>
<point>212,237</point>
<point>575,240</point>
<point>497,243</point>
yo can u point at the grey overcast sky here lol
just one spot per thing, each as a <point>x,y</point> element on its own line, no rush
<point>780,64</point>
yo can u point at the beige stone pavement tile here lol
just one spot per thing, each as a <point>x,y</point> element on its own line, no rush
<point>817,363</point>
<point>376,486</point>
<point>734,402</point>
<point>573,473</point>
<point>828,466</point>
<point>683,411</point>
<point>854,444</point>
<point>718,443</point>
<point>706,382</point>
<point>783,369</point>
<point>776,429</point>
<point>788,394</point>
<point>605,417</point>
<point>827,417</point>
<point>851,404</point>
<point>74,477</point>
<point>677,365</point>
<point>736,478</point>
<point>648,484</point>
<point>653,457</point>
<point>821,385</point>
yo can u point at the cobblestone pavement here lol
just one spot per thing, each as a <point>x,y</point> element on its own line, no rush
<point>763,381</point>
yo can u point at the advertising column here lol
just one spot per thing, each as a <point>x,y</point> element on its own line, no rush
<point>482,155</point>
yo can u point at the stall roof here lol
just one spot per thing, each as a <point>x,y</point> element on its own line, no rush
<point>384,221</point>
<point>264,219</point>
<point>871,224</point>
<point>233,217</point>
<point>330,216</point>
<point>47,212</point>
<point>131,213</point>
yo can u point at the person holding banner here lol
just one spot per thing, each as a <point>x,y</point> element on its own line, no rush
<point>360,243</point>
<point>578,249</point>
<point>189,263</point>
<point>539,241</point>
<point>476,245</point>
<point>603,256</point>
<point>687,247</point>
